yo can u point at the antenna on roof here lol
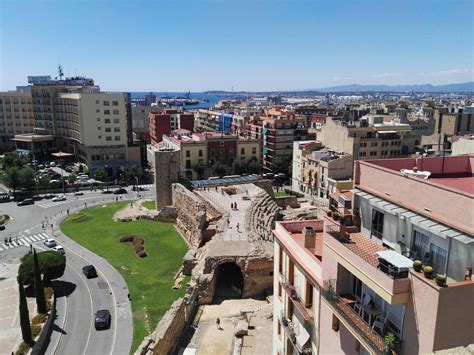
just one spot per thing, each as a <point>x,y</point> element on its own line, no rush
<point>60,72</point>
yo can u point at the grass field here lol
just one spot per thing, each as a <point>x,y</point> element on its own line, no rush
<point>149,204</point>
<point>281,194</point>
<point>149,279</point>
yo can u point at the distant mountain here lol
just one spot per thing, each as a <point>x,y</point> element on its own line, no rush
<point>461,87</point>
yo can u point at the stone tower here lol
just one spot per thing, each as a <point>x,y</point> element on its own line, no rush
<point>166,166</point>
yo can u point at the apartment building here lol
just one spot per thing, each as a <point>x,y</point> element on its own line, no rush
<point>369,138</point>
<point>277,130</point>
<point>356,265</point>
<point>214,121</point>
<point>209,149</point>
<point>16,115</point>
<point>168,120</point>
<point>319,172</point>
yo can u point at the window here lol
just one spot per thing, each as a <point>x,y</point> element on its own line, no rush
<point>117,138</point>
<point>188,163</point>
<point>106,112</point>
<point>439,257</point>
<point>373,144</point>
<point>242,151</point>
<point>108,138</point>
<point>373,153</point>
<point>231,151</point>
<point>106,103</point>
<point>107,120</point>
<point>99,128</point>
<point>97,111</point>
<point>114,103</point>
<point>98,119</point>
<point>200,152</point>
<point>254,150</point>
<point>107,129</point>
<point>309,294</point>
<point>97,102</point>
<point>116,129</point>
<point>213,152</point>
<point>116,120</point>
<point>362,154</point>
<point>363,145</point>
<point>115,112</point>
<point>377,224</point>
<point>188,154</point>
<point>100,137</point>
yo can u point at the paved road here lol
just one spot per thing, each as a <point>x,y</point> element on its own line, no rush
<point>80,298</point>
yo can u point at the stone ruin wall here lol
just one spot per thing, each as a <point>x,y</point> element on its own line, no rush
<point>191,214</point>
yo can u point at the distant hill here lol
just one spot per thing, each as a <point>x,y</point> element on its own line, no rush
<point>461,87</point>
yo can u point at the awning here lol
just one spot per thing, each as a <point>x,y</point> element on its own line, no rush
<point>302,338</point>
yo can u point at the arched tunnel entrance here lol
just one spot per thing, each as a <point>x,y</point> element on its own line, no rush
<point>229,281</point>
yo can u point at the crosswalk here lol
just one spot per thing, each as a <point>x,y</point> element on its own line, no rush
<point>23,240</point>
<point>51,204</point>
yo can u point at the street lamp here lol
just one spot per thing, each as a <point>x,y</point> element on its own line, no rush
<point>136,187</point>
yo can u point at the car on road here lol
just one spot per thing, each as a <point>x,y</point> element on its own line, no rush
<point>50,243</point>
<point>2,227</point>
<point>139,188</point>
<point>78,193</point>
<point>25,202</point>
<point>102,319</point>
<point>59,198</point>
<point>89,271</point>
<point>59,249</point>
<point>120,192</point>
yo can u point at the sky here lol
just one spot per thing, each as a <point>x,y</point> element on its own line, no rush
<point>241,45</point>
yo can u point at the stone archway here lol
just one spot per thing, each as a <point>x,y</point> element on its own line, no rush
<point>229,281</point>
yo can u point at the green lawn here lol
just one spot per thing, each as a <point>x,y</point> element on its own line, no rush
<point>149,204</point>
<point>281,194</point>
<point>149,279</point>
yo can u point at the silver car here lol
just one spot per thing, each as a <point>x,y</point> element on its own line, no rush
<point>50,243</point>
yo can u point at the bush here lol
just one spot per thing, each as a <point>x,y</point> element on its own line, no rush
<point>52,266</point>
<point>39,319</point>
<point>138,241</point>
<point>48,292</point>
<point>35,330</point>
<point>138,248</point>
<point>142,254</point>
<point>48,305</point>
<point>126,238</point>
<point>76,217</point>
<point>23,349</point>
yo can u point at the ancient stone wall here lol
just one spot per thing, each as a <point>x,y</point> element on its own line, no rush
<point>286,201</point>
<point>266,185</point>
<point>261,216</point>
<point>191,214</point>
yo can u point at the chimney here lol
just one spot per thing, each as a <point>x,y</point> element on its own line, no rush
<point>309,237</point>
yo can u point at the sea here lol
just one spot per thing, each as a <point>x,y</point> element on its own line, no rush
<point>213,99</point>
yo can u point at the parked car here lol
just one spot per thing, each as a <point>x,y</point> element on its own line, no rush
<point>26,201</point>
<point>59,198</point>
<point>2,227</point>
<point>120,192</point>
<point>78,193</point>
<point>59,249</point>
<point>102,319</point>
<point>52,164</point>
<point>139,188</point>
<point>50,243</point>
<point>89,271</point>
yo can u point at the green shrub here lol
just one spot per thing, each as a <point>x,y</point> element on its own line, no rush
<point>52,266</point>
<point>35,330</point>
<point>39,319</point>
<point>76,217</point>
<point>23,349</point>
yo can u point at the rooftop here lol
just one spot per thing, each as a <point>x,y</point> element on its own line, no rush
<point>295,230</point>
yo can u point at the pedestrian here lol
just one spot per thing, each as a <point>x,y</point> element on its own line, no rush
<point>17,239</point>
<point>238,225</point>
<point>67,211</point>
<point>131,204</point>
<point>232,205</point>
<point>235,206</point>
<point>10,240</point>
<point>218,323</point>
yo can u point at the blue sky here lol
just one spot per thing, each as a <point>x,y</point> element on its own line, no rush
<point>248,45</point>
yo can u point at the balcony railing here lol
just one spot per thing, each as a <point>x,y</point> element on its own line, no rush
<point>291,335</point>
<point>302,308</point>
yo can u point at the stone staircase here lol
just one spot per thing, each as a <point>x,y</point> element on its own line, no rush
<point>261,216</point>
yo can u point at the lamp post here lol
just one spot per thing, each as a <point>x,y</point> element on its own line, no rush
<point>136,187</point>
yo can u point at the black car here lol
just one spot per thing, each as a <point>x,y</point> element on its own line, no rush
<point>102,319</point>
<point>120,191</point>
<point>89,271</point>
<point>26,201</point>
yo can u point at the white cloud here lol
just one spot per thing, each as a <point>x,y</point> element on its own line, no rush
<point>386,75</point>
<point>342,78</point>
<point>449,72</point>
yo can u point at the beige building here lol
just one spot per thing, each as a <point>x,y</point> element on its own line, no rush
<point>369,138</point>
<point>92,125</point>
<point>16,114</point>
<point>318,172</point>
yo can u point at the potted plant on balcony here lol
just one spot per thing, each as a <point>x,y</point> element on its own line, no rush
<point>417,264</point>
<point>428,271</point>
<point>329,213</point>
<point>441,280</point>
<point>389,343</point>
<point>293,294</point>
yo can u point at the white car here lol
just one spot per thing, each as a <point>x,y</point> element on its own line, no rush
<point>59,249</point>
<point>59,198</point>
<point>50,243</point>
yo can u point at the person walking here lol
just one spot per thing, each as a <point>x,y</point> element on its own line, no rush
<point>218,323</point>
<point>235,206</point>
<point>238,225</point>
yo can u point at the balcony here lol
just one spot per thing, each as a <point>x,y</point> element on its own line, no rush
<point>341,306</point>
<point>292,338</point>
<point>295,298</point>
<point>356,252</point>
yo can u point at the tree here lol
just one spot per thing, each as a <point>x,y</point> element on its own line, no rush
<point>43,182</point>
<point>71,179</point>
<point>199,168</point>
<point>254,167</point>
<point>131,173</point>
<point>27,177</point>
<point>51,265</point>
<point>39,289</point>
<point>12,159</point>
<point>238,169</point>
<point>218,169</point>
<point>279,165</point>
<point>12,178</point>
<point>100,174</point>
<point>24,316</point>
